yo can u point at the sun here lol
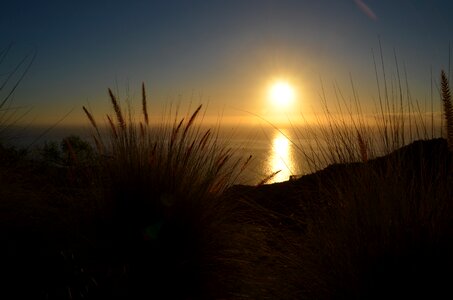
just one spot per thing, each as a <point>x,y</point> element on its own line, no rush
<point>281,93</point>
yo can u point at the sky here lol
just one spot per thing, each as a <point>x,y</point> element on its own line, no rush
<point>225,54</point>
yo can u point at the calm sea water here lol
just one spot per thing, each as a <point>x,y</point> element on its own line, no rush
<point>272,150</point>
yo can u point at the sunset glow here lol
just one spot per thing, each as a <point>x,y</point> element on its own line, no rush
<point>281,94</point>
<point>283,149</point>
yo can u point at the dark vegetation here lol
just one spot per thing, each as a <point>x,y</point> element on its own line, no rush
<point>154,212</point>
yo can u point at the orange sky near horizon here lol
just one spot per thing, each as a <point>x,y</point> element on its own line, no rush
<point>226,55</point>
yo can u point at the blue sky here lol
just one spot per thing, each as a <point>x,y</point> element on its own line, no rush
<point>223,52</point>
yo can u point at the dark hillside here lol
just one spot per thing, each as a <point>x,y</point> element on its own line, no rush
<point>382,228</point>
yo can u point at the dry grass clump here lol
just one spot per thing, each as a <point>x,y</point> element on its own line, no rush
<point>385,229</point>
<point>345,133</point>
<point>164,183</point>
<point>378,227</point>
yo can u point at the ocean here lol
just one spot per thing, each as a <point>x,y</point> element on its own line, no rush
<point>272,150</point>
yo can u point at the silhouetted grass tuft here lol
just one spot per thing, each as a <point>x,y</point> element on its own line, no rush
<point>164,182</point>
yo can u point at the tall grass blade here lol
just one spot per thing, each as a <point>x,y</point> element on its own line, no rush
<point>117,108</point>
<point>362,148</point>
<point>90,117</point>
<point>144,104</point>
<point>112,127</point>
<point>448,108</point>
<point>268,178</point>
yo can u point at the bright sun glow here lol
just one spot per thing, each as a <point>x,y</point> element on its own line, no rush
<point>281,94</point>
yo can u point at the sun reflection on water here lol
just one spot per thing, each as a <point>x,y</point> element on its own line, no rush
<point>281,158</point>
